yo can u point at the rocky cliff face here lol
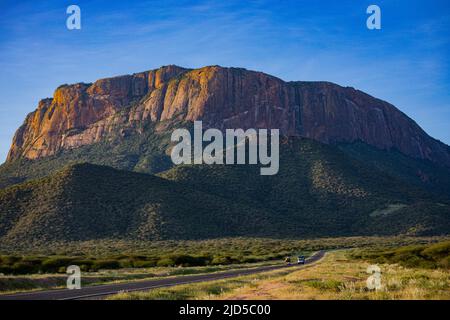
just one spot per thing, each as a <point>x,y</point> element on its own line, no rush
<point>83,114</point>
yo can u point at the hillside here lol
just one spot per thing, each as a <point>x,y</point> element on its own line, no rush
<point>146,152</point>
<point>319,191</point>
<point>85,201</point>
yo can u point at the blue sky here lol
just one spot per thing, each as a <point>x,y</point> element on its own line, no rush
<point>407,62</point>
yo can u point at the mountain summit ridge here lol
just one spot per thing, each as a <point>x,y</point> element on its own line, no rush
<point>83,114</point>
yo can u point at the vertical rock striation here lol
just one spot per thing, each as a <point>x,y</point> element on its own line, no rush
<point>83,114</point>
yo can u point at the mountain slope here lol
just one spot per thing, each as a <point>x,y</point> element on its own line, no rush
<point>93,202</point>
<point>421,173</point>
<point>319,191</point>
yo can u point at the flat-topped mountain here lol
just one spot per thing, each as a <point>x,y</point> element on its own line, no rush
<point>350,164</point>
<point>83,114</point>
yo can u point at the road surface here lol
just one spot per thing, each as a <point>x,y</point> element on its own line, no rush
<point>102,291</point>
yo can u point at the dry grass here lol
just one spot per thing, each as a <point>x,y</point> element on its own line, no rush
<point>24,283</point>
<point>202,290</point>
<point>338,277</point>
<point>335,277</point>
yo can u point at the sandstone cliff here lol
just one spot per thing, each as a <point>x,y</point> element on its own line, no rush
<point>83,114</point>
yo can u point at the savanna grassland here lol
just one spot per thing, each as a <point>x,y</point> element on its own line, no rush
<point>107,261</point>
<point>409,272</point>
<point>31,282</point>
<point>116,254</point>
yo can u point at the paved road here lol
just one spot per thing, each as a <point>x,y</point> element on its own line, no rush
<point>101,291</point>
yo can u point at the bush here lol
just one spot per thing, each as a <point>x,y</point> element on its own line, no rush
<point>54,264</point>
<point>333,285</point>
<point>6,269</point>
<point>439,250</point>
<point>221,260</point>
<point>106,264</point>
<point>10,260</point>
<point>33,260</point>
<point>419,256</point>
<point>165,262</point>
<point>144,264</point>
<point>23,268</point>
<point>250,259</point>
<point>85,262</point>
<point>444,263</point>
<point>190,261</point>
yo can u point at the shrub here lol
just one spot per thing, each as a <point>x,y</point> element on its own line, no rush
<point>419,256</point>
<point>333,285</point>
<point>221,260</point>
<point>6,269</point>
<point>190,261</point>
<point>144,264</point>
<point>10,260</point>
<point>439,250</point>
<point>22,268</point>
<point>54,264</point>
<point>106,264</point>
<point>444,263</point>
<point>250,259</point>
<point>165,262</point>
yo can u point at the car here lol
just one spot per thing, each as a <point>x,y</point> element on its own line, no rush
<point>301,260</point>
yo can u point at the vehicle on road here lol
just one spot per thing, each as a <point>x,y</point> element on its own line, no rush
<point>301,260</point>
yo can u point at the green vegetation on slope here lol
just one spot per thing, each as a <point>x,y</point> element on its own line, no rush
<point>420,173</point>
<point>92,202</point>
<point>414,256</point>
<point>319,191</point>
